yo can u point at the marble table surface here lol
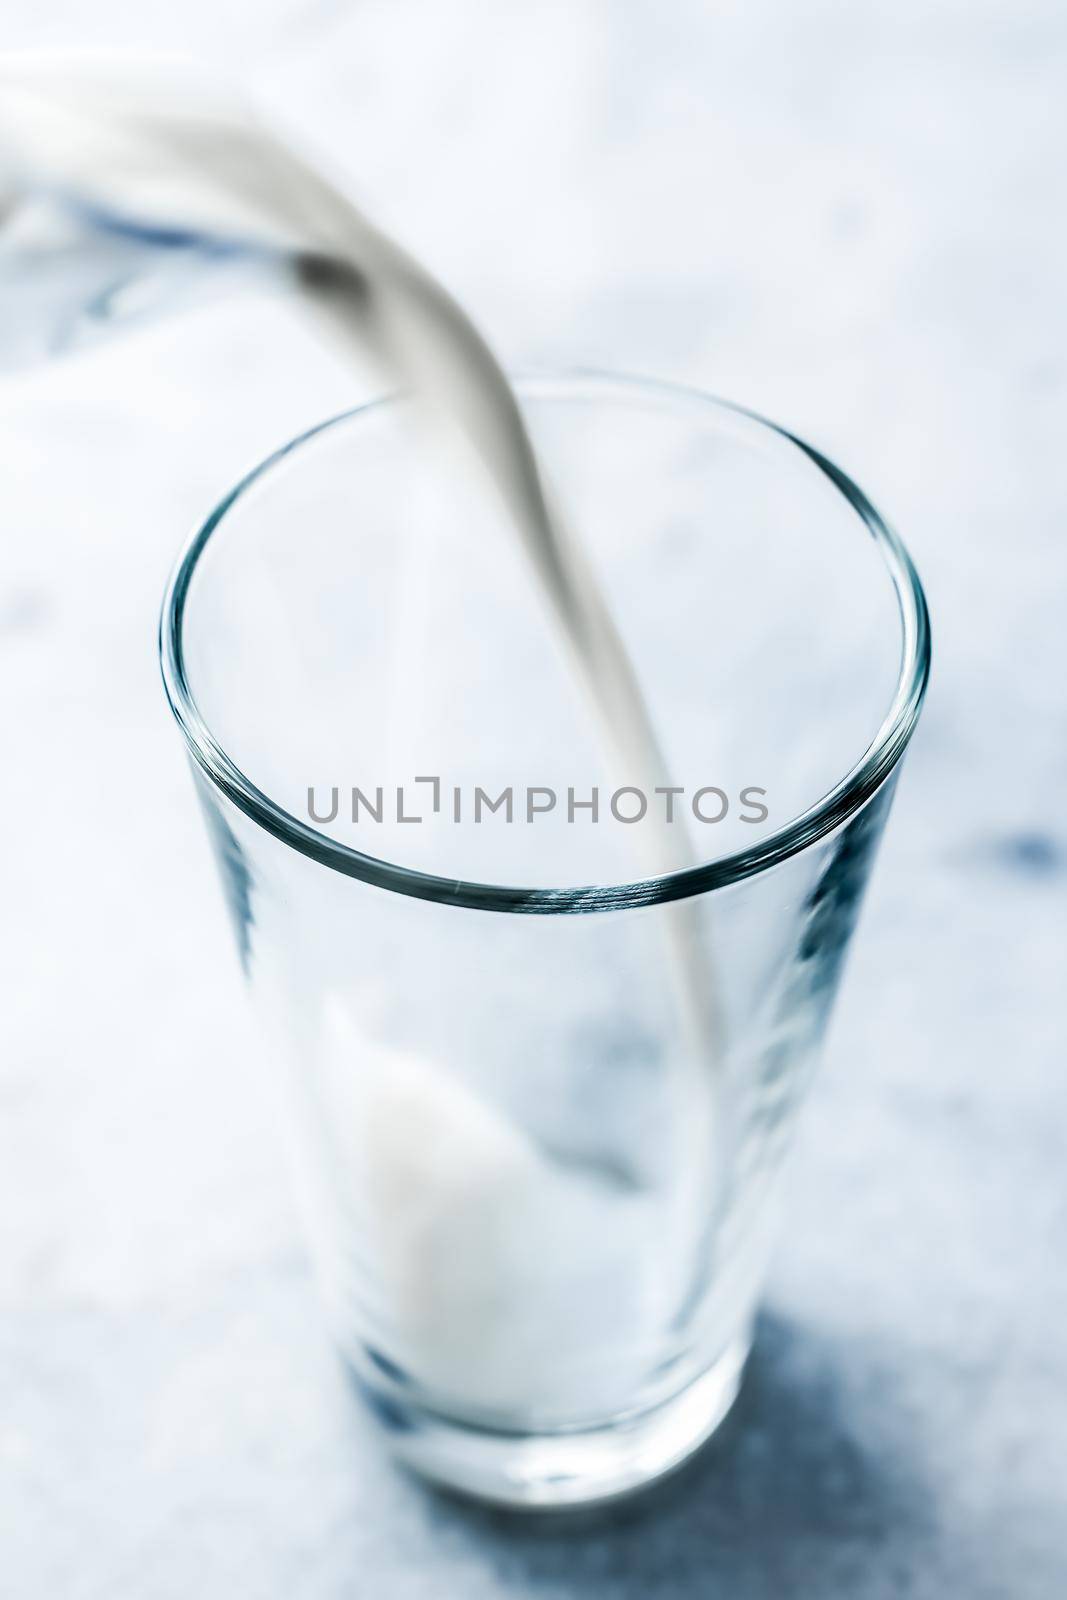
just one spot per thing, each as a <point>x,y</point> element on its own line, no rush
<point>849,217</point>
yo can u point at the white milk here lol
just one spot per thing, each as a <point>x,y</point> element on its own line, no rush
<point>452,1195</point>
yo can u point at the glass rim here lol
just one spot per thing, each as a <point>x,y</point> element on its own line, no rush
<point>859,784</point>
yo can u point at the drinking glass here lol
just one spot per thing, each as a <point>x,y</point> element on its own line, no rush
<point>538,1087</point>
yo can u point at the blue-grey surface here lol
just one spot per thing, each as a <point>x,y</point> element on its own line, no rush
<point>849,216</point>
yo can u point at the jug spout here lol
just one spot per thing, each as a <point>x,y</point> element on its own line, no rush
<point>72,275</point>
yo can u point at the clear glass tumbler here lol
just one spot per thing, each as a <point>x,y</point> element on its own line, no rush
<point>539,1093</point>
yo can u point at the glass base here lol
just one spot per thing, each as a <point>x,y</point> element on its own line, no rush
<point>552,1471</point>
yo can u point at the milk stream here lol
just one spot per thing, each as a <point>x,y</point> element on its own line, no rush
<point>135,166</point>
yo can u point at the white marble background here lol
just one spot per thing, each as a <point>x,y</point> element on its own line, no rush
<point>850,216</point>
